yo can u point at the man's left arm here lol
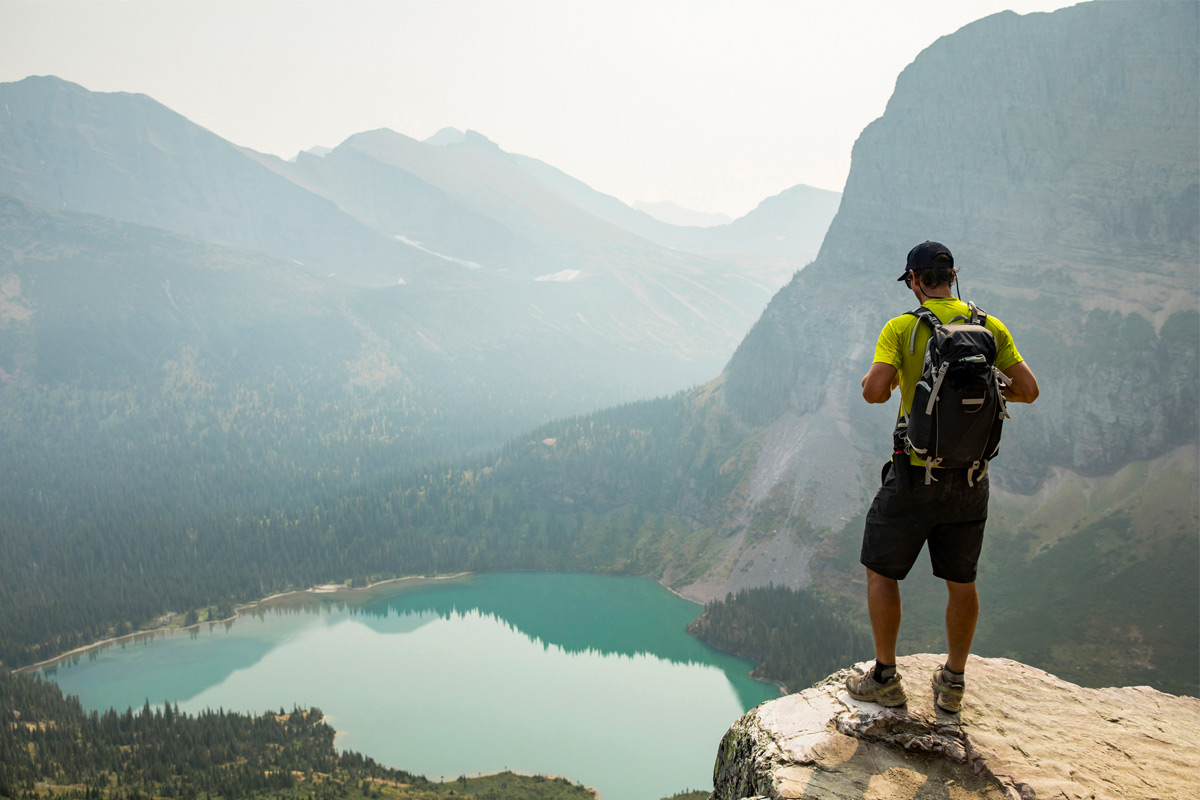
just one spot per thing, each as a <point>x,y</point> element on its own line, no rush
<point>1023,387</point>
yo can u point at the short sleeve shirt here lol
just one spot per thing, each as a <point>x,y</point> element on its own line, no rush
<point>893,346</point>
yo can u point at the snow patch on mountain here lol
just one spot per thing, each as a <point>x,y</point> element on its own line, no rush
<point>460,261</point>
<point>560,277</point>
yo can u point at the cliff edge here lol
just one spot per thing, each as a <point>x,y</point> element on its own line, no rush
<point>1023,734</point>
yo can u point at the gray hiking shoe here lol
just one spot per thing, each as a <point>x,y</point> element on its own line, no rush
<point>865,687</point>
<point>946,695</point>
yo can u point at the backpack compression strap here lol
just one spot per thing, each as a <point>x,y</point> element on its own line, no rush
<point>978,315</point>
<point>922,314</point>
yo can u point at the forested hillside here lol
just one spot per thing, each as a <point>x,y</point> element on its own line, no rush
<point>584,495</point>
<point>51,747</point>
<point>793,637</point>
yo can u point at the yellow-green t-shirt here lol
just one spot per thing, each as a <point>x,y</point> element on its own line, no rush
<point>893,346</point>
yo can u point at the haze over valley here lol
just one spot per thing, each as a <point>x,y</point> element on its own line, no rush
<point>226,375</point>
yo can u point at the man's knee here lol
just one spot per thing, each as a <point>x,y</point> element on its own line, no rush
<point>882,587</point>
<point>881,580</point>
<point>962,592</point>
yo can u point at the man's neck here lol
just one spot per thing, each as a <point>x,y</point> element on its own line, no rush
<point>941,293</point>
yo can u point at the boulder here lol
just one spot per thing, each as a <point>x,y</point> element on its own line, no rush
<point>1023,734</point>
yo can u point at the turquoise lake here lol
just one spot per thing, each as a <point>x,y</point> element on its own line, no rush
<point>588,677</point>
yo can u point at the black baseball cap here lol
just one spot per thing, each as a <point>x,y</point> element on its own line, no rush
<point>925,256</point>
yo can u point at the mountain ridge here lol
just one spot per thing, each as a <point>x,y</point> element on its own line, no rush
<point>383,210</point>
<point>138,160</point>
<point>674,214</point>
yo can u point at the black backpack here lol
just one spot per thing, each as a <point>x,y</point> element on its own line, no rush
<point>958,405</point>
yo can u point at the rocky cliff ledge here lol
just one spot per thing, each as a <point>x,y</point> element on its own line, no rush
<point>1023,735</point>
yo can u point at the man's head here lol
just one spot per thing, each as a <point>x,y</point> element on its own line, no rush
<point>932,263</point>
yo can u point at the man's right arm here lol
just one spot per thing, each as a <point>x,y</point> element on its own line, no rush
<point>884,375</point>
<point>878,383</point>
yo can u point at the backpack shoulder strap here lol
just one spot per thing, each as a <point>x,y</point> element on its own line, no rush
<point>922,314</point>
<point>978,315</point>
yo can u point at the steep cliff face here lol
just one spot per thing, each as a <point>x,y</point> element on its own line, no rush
<point>1072,133</point>
<point>1022,734</point>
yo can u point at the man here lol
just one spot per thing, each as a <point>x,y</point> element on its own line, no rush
<point>949,512</point>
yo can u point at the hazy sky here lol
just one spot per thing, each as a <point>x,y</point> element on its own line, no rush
<point>713,105</point>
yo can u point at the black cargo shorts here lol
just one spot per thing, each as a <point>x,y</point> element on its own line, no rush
<point>949,514</point>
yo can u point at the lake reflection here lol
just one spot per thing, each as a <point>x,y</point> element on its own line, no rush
<point>583,676</point>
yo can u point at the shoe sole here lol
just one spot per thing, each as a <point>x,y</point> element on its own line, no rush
<point>888,702</point>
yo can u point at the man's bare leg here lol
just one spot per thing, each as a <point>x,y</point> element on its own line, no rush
<point>882,684</point>
<point>962,610</point>
<point>883,603</point>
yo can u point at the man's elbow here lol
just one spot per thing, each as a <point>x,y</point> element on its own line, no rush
<point>1021,394</point>
<point>1024,386</point>
<point>875,396</point>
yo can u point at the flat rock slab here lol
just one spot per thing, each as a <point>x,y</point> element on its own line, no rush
<point>1022,734</point>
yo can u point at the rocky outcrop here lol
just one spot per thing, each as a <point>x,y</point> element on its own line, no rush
<point>1023,734</point>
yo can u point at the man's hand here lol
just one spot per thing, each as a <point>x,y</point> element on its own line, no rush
<point>878,383</point>
<point>1024,387</point>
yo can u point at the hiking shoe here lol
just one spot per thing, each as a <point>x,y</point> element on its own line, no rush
<point>946,695</point>
<point>865,687</point>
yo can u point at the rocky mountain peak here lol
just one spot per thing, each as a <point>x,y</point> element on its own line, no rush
<point>1022,734</point>
<point>446,137</point>
<point>477,139</point>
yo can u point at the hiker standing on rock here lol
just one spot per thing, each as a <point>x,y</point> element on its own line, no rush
<point>935,490</point>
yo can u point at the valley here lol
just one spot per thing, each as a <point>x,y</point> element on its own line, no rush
<point>226,376</point>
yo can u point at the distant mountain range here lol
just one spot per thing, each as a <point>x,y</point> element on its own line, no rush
<point>666,211</point>
<point>499,255</point>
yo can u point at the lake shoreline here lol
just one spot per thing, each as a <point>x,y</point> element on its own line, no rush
<point>332,591</point>
<point>540,613</point>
